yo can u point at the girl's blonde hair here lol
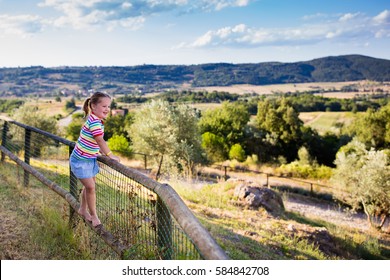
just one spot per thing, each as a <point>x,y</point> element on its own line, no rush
<point>94,99</point>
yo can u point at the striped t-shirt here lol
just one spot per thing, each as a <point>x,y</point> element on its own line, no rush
<point>86,146</point>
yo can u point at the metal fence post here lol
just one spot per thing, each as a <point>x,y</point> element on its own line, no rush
<point>4,139</point>
<point>27,154</point>
<point>164,230</point>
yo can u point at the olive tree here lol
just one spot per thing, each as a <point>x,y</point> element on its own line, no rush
<point>31,116</point>
<point>170,134</point>
<point>364,178</point>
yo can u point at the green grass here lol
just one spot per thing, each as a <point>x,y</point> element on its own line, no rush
<point>43,222</point>
<point>254,234</point>
<point>327,121</point>
<point>42,218</point>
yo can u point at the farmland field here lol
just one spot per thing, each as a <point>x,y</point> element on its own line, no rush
<point>327,121</point>
<point>366,87</point>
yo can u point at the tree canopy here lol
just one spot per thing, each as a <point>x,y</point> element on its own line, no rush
<point>170,133</point>
<point>363,177</point>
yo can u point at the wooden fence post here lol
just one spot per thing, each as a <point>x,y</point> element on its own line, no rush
<point>4,139</point>
<point>27,154</point>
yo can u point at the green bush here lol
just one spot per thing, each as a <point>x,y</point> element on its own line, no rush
<point>237,152</point>
<point>299,170</point>
<point>119,144</point>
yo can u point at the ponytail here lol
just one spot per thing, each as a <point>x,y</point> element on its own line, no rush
<point>86,106</point>
<point>94,99</point>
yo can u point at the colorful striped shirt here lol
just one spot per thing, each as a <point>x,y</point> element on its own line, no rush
<point>86,146</point>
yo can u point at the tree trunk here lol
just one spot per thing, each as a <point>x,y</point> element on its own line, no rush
<point>159,167</point>
<point>383,221</point>
<point>368,214</point>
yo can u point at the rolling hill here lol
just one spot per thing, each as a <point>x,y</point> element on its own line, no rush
<point>146,78</point>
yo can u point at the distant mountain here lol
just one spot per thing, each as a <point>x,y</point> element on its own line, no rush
<point>327,69</point>
<point>146,78</point>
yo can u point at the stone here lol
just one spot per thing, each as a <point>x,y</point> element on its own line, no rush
<point>255,196</point>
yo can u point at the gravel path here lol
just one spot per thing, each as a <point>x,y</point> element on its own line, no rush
<point>326,211</point>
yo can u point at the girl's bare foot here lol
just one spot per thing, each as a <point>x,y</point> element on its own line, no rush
<point>85,214</point>
<point>95,221</point>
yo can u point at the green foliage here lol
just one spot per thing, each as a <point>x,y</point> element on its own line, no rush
<point>198,96</point>
<point>214,146</point>
<point>31,116</point>
<point>225,127</point>
<point>169,133</point>
<point>73,129</point>
<point>373,128</point>
<point>70,104</point>
<point>118,125</point>
<point>298,169</point>
<point>308,102</point>
<point>364,177</point>
<point>237,152</point>
<point>280,124</point>
<point>9,105</point>
<point>119,143</point>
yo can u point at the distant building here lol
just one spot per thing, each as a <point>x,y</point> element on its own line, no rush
<point>121,112</point>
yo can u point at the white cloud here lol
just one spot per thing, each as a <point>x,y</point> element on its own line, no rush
<point>341,28</point>
<point>382,18</point>
<point>86,13</point>
<point>89,14</point>
<point>348,16</point>
<point>22,25</point>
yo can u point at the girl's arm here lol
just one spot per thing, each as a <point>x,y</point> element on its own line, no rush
<point>104,149</point>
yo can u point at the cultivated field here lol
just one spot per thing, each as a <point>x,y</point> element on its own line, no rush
<point>327,121</point>
<point>366,87</point>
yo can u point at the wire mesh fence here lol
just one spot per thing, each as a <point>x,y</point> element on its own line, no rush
<point>142,219</point>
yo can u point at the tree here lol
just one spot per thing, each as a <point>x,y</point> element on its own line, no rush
<point>70,104</point>
<point>214,146</point>
<point>280,124</point>
<point>30,115</point>
<point>373,128</point>
<point>170,134</point>
<point>118,125</point>
<point>226,126</point>
<point>364,178</point>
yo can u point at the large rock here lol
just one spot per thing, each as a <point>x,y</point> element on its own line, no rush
<point>255,196</point>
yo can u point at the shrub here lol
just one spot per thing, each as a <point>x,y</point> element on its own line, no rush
<point>119,143</point>
<point>237,152</point>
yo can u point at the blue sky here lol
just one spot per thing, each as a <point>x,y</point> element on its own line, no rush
<point>125,33</point>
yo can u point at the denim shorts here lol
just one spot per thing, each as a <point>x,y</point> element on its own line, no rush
<point>84,168</point>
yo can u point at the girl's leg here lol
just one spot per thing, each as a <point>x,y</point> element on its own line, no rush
<point>89,184</point>
<point>83,210</point>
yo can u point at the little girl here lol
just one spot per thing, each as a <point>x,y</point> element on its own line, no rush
<point>83,160</point>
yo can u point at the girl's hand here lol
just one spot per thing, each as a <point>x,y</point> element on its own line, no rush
<point>114,158</point>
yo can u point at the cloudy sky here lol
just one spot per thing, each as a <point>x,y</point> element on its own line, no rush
<point>113,32</point>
